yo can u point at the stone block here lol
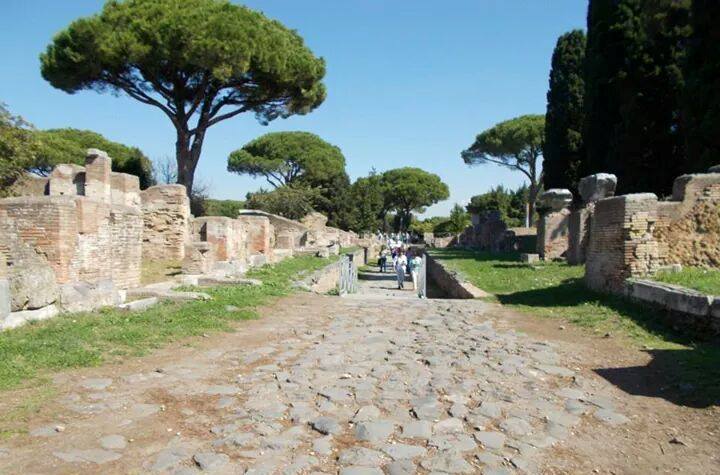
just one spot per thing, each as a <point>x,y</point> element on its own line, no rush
<point>529,258</point>
<point>671,297</point>
<point>139,305</point>
<point>596,187</point>
<point>32,285</point>
<point>86,297</point>
<point>554,199</point>
<point>16,319</point>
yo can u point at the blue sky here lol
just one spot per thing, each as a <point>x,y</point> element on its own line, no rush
<point>410,83</point>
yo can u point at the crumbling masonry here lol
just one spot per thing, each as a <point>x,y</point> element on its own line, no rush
<point>76,240</point>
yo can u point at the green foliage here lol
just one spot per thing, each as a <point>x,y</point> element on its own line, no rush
<point>697,278</point>
<point>18,149</point>
<point>428,225</point>
<point>459,219</point>
<point>634,81</point>
<point>510,204</point>
<point>287,201</point>
<point>286,158</point>
<point>199,61</point>
<point>515,144</point>
<point>228,208</point>
<point>368,199</point>
<point>90,339</point>
<point>563,150</point>
<point>701,96</point>
<point>411,189</point>
<point>69,146</point>
<point>301,161</point>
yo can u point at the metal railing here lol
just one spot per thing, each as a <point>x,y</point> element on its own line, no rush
<point>348,282</point>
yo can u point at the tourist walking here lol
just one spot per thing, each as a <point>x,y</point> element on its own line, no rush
<point>382,261</point>
<point>416,264</point>
<point>400,268</point>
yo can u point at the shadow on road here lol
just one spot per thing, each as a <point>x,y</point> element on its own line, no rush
<point>683,377</point>
<point>687,377</point>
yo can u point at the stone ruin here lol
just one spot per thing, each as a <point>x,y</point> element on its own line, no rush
<point>636,235</point>
<point>76,240</point>
<point>487,232</point>
<point>552,227</point>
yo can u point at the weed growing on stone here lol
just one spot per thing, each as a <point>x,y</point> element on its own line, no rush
<point>90,339</point>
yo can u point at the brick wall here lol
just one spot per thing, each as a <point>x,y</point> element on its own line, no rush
<point>82,239</point>
<point>225,236</point>
<point>260,235</point>
<point>621,243</point>
<point>166,216</point>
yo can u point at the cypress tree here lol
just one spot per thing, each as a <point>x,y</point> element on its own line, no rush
<point>563,147</point>
<point>634,83</point>
<point>702,86</point>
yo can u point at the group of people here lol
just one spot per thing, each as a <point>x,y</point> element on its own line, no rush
<point>403,262</point>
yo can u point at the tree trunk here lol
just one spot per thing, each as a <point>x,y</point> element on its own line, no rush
<point>532,196</point>
<point>188,155</point>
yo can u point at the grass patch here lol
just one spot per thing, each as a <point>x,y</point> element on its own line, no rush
<point>556,290</point>
<point>91,339</point>
<point>703,280</point>
<point>14,421</point>
<point>153,272</point>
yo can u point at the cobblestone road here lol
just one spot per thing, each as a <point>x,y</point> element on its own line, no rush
<point>377,383</point>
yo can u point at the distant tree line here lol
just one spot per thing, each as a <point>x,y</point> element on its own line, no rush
<point>639,96</point>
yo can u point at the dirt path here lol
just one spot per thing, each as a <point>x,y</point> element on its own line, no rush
<point>379,382</point>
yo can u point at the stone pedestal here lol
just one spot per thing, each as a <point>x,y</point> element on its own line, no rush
<point>553,226</point>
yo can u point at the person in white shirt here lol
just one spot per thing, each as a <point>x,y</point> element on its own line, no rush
<point>415,268</point>
<point>400,268</point>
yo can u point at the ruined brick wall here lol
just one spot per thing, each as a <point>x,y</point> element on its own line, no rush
<point>621,243</point>
<point>552,234</point>
<point>81,239</point>
<point>259,235</point>
<point>88,228</point>
<point>225,236</point>
<point>688,228</point>
<point>166,216</point>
